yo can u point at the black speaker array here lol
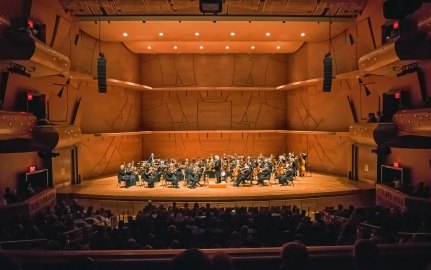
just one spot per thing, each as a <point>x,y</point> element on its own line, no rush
<point>327,73</point>
<point>101,74</point>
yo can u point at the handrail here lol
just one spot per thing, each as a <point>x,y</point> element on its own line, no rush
<point>314,251</point>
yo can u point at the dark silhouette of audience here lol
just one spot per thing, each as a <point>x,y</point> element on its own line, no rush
<point>222,261</point>
<point>294,256</point>
<point>9,263</point>
<point>80,263</point>
<point>365,255</point>
<point>191,259</point>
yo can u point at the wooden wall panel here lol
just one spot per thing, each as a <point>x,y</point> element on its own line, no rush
<point>213,110</point>
<point>115,111</point>
<point>192,145</point>
<point>11,165</point>
<point>99,156</point>
<point>418,161</point>
<point>326,153</point>
<point>214,70</point>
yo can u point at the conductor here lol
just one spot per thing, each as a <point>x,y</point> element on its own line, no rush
<point>217,169</point>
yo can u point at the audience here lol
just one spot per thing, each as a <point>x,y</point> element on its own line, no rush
<point>191,259</point>
<point>365,255</point>
<point>222,261</point>
<point>294,256</point>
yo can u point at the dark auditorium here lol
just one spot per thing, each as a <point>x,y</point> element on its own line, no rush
<point>215,134</point>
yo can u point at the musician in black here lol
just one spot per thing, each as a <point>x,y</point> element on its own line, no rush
<point>244,174</point>
<point>121,174</point>
<point>264,174</point>
<point>149,177</point>
<point>150,159</point>
<point>171,176</point>
<point>286,177</point>
<point>217,169</point>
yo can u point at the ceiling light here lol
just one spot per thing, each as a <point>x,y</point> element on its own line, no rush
<point>175,47</point>
<point>302,34</point>
<point>232,34</point>
<point>227,47</point>
<point>125,34</point>
<point>267,34</point>
<point>252,47</point>
<point>197,34</point>
<point>278,47</point>
<point>201,47</point>
<point>161,34</point>
<point>149,47</point>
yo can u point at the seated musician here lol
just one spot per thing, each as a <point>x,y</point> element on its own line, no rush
<point>171,176</point>
<point>286,176</point>
<point>244,174</point>
<point>149,177</point>
<point>121,174</point>
<point>193,177</point>
<point>130,176</point>
<point>264,174</point>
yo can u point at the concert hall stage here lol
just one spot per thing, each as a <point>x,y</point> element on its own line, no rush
<point>319,189</point>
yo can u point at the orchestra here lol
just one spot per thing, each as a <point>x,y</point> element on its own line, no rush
<point>239,170</point>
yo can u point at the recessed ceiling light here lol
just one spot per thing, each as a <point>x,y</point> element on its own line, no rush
<point>149,47</point>
<point>125,34</point>
<point>227,47</point>
<point>201,47</point>
<point>302,34</point>
<point>267,34</point>
<point>161,34</point>
<point>197,34</point>
<point>252,47</point>
<point>232,34</point>
<point>175,47</point>
<point>278,47</point>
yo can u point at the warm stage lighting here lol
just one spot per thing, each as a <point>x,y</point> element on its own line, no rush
<point>197,34</point>
<point>227,47</point>
<point>149,47</point>
<point>232,34</point>
<point>161,34</point>
<point>201,47</point>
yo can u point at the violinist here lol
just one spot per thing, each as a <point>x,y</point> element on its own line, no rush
<point>149,176</point>
<point>244,174</point>
<point>170,176</point>
<point>121,174</point>
<point>264,174</point>
<point>193,177</point>
<point>286,176</point>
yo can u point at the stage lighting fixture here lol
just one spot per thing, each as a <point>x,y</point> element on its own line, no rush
<point>210,6</point>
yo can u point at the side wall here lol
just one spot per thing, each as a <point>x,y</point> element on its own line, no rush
<point>309,108</point>
<point>116,111</point>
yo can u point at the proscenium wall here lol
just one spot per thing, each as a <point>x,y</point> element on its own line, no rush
<point>188,110</point>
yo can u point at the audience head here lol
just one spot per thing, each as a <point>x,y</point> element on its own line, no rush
<point>191,259</point>
<point>365,254</point>
<point>294,256</point>
<point>81,263</point>
<point>9,263</point>
<point>222,261</point>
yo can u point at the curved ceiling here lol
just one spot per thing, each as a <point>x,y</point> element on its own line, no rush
<point>177,26</point>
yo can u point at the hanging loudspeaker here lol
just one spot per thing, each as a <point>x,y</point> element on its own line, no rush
<point>101,73</point>
<point>327,73</point>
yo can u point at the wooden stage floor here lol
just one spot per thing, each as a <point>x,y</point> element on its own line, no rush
<point>317,185</point>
